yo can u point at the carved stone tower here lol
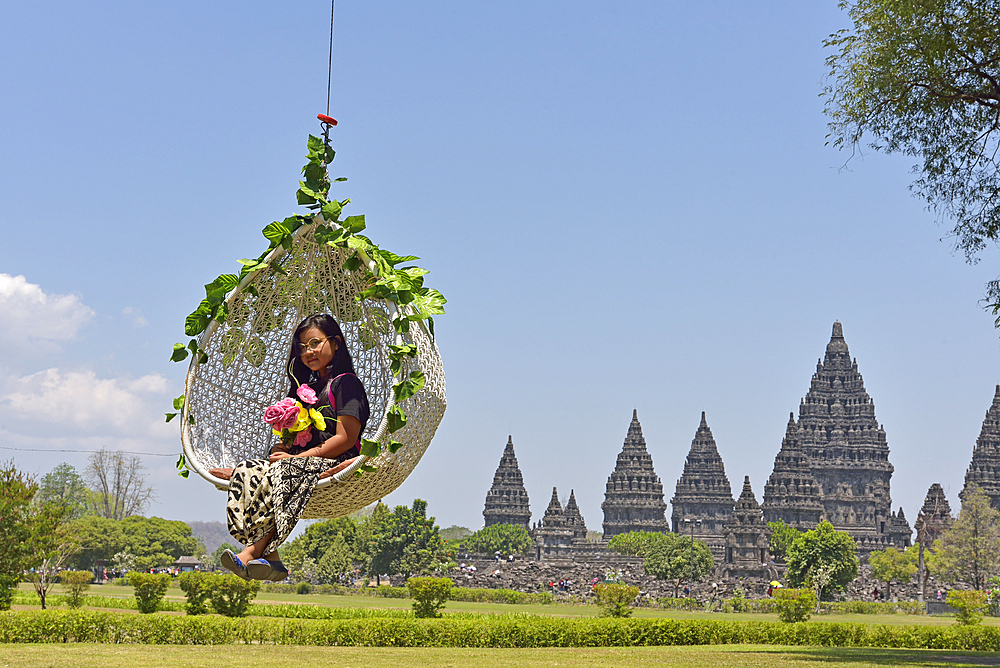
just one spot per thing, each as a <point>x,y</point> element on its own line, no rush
<point>553,534</point>
<point>574,520</point>
<point>633,498</point>
<point>746,534</point>
<point>847,450</point>
<point>791,494</point>
<point>507,500</point>
<point>703,493</point>
<point>984,470</point>
<point>934,517</point>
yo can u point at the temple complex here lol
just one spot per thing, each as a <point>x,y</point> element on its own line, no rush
<point>791,494</point>
<point>934,517</point>
<point>507,500</point>
<point>703,495</point>
<point>984,469</point>
<point>846,451</point>
<point>746,550</point>
<point>633,498</point>
<point>554,534</point>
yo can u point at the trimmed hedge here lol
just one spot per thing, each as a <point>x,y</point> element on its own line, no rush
<point>108,627</point>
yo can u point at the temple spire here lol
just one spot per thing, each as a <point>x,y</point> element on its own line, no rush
<point>633,497</point>
<point>507,500</point>
<point>703,491</point>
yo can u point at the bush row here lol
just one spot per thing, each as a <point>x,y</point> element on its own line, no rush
<point>471,594</point>
<point>114,602</point>
<point>770,605</point>
<point>109,627</point>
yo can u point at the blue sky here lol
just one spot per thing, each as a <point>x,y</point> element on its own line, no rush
<point>628,205</point>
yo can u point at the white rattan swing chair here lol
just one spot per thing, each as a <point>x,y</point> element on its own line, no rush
<point>246,372</point>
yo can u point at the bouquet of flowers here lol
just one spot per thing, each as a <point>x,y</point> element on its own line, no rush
<point>292,421</point>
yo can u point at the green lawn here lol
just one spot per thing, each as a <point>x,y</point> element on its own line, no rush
<point>553,610</point>
<point>750,656</point>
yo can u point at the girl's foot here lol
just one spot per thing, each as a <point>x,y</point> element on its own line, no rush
<point>263,569</point>
<point>232,562</point>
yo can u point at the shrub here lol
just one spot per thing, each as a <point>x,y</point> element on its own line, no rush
<point>303,588</point>
<point>76,583</point>
<point>429,595</point>
<point>149,589</point>
<point>231,595</point>
<point>738,603</point>
<point>971,605</point>
<point>197,590</point>
<point>795,605</point>
<point>615,599</point>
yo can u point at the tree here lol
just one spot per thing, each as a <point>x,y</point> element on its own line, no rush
<point>781,538</point>
<point>27,530</point>
<point>923,79</point>
<point>54,549</point>
<point>119,484</point>
<point>890,565</point>
<point>404,541</point>
<point>64,486</point>
<point>154,541</point>
<point>825,553</point>
<point>100,539</point>
<point>668,557</point>
<point>632,543</point>
<point>970,550</point>
<point>318,538</point>
<point>336,563</point>
<point>505,538</point>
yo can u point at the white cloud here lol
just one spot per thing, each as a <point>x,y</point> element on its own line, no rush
<point>54,403</point>
<point>31,318</point>
<point>138,319</point>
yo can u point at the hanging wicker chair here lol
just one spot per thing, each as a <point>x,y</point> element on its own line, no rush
<point>246,372</point>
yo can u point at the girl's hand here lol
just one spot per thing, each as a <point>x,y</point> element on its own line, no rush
<point>278,454</point>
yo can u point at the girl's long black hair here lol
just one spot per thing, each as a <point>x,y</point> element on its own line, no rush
<point>298,372</point>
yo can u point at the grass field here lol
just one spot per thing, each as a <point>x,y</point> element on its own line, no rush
<point>553,610</point>
<point>750,656</point>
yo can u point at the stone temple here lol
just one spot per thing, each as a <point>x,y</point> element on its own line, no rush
<point>984,470</point>
<point>703,494</point>
<point>633,497</point>
<point>846,451</point>
<point>507,500</point>
<point>791,494</point>
<point>934,517</point>
<point>746,548</point>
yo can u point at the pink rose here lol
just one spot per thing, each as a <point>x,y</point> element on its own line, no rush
<point>303,437</point>
<point>288,418</point>
<point>306,394</point>
<point>274,415</point>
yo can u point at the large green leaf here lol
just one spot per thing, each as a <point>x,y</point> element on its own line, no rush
<point>275,232</point>
<point>407,388</point>
<point>354,223</point>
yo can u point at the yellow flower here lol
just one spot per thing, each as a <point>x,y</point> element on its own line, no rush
<point>317,419</point>
<point>302,422</point>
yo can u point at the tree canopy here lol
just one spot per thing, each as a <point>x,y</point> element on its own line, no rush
<point>826,554</point>
<point>923,79</point>
<point>781,538</point>
<point>27,530</point>
<point>633,543</point>
<point>668,557</point>
<point>892,565</point>
<point>970,550</point>
<point>505,538</point>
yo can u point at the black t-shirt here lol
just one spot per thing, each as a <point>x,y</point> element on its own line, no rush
<point>351,399</point>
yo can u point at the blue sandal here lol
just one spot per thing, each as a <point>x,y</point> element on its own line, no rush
<point>262,569</point>
<point>233,563</point>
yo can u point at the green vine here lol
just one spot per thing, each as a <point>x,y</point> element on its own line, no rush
<point>403,286</point>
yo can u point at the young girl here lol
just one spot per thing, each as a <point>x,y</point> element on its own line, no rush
<point>266,496</point>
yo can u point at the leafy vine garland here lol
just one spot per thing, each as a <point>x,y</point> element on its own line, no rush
<point>403,286</point>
